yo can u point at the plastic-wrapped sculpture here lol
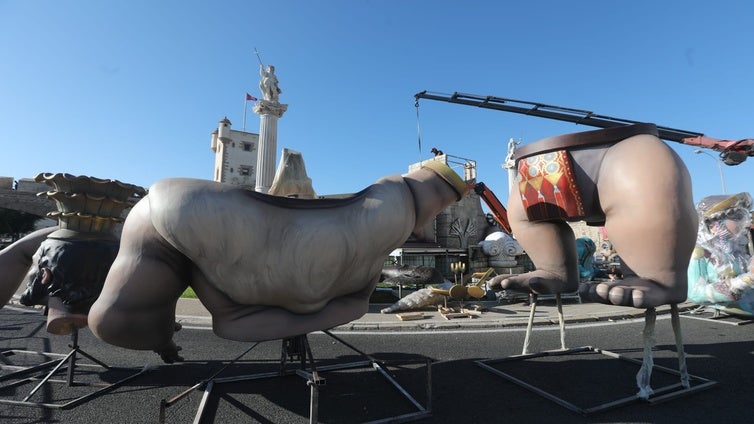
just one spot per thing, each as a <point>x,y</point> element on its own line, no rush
<point>420,298</point>
<point>266,267</point>
<point>411,274</point>
<point>721,273</point>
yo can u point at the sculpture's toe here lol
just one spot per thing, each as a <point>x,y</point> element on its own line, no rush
<point>621,296</point>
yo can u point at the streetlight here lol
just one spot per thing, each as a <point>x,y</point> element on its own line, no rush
<point>719,166</point>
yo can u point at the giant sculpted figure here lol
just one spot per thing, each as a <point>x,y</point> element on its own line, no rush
<point>266,267</point>
<point>624,178</point>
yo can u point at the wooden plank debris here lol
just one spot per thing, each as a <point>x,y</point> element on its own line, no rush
<point>410,316</point>
<point>460,312</point>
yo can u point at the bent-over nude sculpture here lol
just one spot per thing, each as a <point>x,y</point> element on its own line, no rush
<point>624,177</point>
<point>265,267</point>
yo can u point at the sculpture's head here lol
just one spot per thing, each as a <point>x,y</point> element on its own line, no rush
<point>435,186</point>
<point>724,220</point>
<point>73,271</point>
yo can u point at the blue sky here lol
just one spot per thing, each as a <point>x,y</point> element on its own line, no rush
<point>132,90</point>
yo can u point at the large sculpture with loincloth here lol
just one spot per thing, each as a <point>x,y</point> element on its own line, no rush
<point>624,178</point>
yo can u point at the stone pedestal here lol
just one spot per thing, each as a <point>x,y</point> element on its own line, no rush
<point>269,113</point>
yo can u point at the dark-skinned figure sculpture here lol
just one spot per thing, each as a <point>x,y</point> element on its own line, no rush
<point>65,267</point>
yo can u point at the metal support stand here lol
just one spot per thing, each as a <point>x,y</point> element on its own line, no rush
<point>68,362</point>
<point>530,325</point>
<point>647,394</point>
<point>702,313</point>
<point>297,348</point>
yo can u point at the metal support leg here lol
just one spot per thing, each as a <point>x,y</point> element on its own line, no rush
<point>644,376</point>
<point>676,322</point>
<point>646,367</point>
<point>300,346</point>
<point>561,320</point>
<point>313,402</point>
<point>69,362</point>
<point>530,324</point>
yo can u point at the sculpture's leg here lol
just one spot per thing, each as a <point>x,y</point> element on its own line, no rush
<point>15,261</point>
<point>136,308</point>
<point>645,192</point>
<point>550,245</point>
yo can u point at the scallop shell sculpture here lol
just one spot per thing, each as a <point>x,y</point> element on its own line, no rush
<point>88,204</point>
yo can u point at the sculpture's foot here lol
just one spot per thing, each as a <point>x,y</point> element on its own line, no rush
<point>169,354</point>
<point>635,292</point>
<point>60,321</point>
<point>537,282</point>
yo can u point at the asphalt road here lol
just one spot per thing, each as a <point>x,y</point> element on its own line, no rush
<point>461,391</point>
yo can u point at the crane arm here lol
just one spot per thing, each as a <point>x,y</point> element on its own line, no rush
<point>497,208</point>
<point>732,152</point>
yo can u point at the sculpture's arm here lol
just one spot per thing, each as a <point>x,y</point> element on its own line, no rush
<point>234,321</point>
<point>15,261</point>
<point>136,308</point>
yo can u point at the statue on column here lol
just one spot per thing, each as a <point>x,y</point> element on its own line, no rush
<point>269,83</point>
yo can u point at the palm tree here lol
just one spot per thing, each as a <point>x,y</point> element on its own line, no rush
<point>14,223</point>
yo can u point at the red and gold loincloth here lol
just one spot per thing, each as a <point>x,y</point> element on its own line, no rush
<point>556,174</point>
<point>548,187</point>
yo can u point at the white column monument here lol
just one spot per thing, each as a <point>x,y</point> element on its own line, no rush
<point>270,110</point>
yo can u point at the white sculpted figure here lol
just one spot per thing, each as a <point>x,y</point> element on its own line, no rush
<point>269,83</point>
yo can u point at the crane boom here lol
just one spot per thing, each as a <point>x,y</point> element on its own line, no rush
<point>731,152</point>
<point>498,210</point>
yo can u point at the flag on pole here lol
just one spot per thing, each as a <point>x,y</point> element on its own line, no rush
<point>250,97</point>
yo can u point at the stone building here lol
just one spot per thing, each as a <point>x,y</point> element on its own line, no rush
<point>235,155</point>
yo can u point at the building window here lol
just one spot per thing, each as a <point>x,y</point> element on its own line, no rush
<point>247,147</point>
<point>245,170</point>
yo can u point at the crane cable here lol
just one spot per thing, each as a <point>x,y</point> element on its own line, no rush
<point>418,129</point>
